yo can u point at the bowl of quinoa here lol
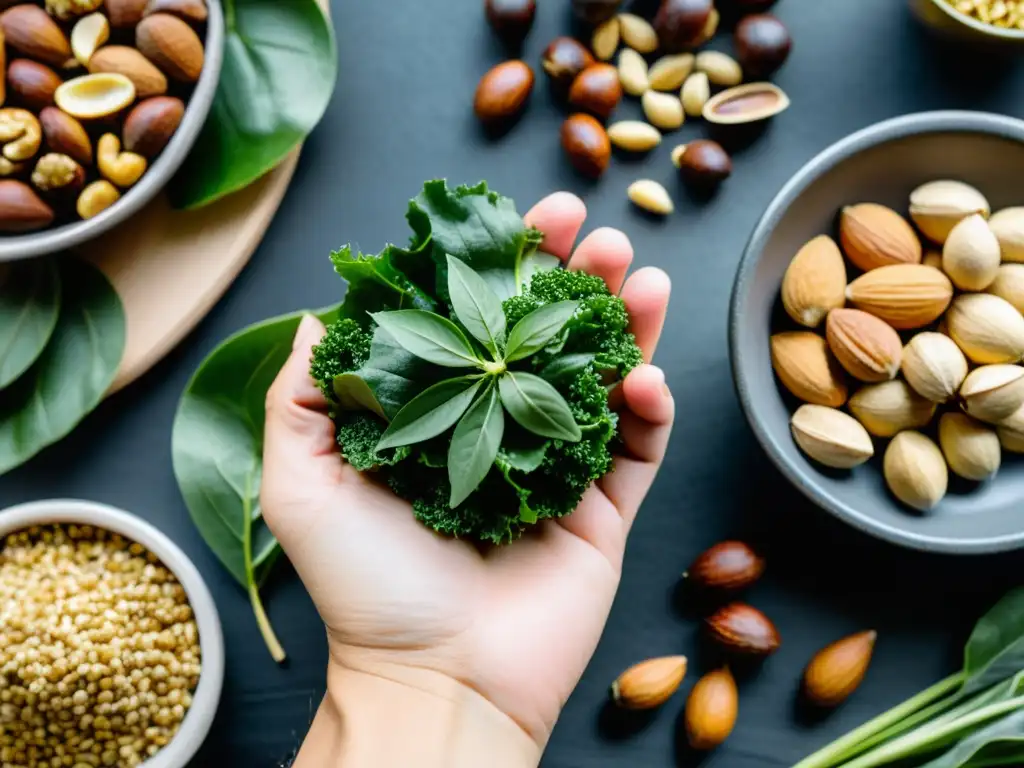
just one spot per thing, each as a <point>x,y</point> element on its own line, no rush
<point>111,650</point>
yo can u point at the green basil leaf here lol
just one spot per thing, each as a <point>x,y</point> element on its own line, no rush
<point>29,305</point>
<point>524,458</point>
<point>534,331</point>
<point>566,366</point>
<point>995,649</point>
<point>73,373</point>
<point>375,284</point>
<point>393,374</point>
<point>475,445</point>
<point>280,66</point>
<point>354,394</point>
<point>538,407</point>
<point>430,413</point>
<point>430,337</point>
<point>476,305</point>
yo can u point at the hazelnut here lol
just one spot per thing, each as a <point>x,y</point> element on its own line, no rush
<point>680,23</point>
<point>511,19</point>
<point>586,143</point>
<point>705,164</point>
<point>762,45</point>
<point>503,92</point>
<point>564,59</point>
<point>597,90</point>
<point>596,11</point>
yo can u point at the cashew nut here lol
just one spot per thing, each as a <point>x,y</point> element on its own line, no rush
<point>7,168</point>
<point>20,133</point>
<point>96,198</point>
<point>122,168</point>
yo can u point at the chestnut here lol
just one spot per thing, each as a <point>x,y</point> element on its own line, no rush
<point>586,143</point>
<point>762,45</point>
<point>503,92</point>
<point>564,59</point>
<point>680,23</point>
<point>511,19</point>
<point>705,164</point>
<point>597,90</point>
<point>596,11</point>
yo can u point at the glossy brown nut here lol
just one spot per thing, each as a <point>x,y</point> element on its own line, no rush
<point>65,135</point>
<point>564,59</point>
<point>680,23</point>
<point>21,209</point>
<point>729,566</point>
<point>151,124</point>
<point>511,19</point>
<point>596,11</point>
<point>503,92</point>
<point>586,143</point>
<point>705,163</point>
<point>711,710</point>
<point>597,90</point>
<point>762,45</point>
<point>189,10</point>
<point>743,630</point>
<point>33,84</point>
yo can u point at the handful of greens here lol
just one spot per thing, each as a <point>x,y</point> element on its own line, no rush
<point>470,371</point>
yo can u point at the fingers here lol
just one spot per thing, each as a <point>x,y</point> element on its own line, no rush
<point>606,253</point>
<point>646,295</point>
<point>645,427</point>
<point>560,217</point>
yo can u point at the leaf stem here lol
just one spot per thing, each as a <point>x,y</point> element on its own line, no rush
<point>273,644</point>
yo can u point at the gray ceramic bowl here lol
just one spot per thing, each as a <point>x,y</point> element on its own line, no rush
<point>944,18</point>
<point>160,172</point>
<point>880,164</point>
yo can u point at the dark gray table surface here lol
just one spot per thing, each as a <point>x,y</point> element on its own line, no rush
<point>401,115</point>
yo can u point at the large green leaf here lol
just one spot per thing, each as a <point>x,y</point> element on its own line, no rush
<point>430,337</point>
<point>476,305</point>
<point>538,407</point>
<point>995,649</point>
<point>29,304</point>
<point>430,413</point>
<point>280,66</point>
<point>475,445</point>
<point>72,374</point>
<point>374,284</point>
<point>1006,732</point>
<point>533,332</point>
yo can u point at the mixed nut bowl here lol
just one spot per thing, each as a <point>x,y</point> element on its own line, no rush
<point>876,332</point>
<point>100,103</point>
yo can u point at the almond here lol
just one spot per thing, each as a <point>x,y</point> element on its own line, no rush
<point>123,60</point>
<point>815,282</point>
<point>807,369</point>
<point>29,30</point>
<point>915,470</point>
<point>987,328</point>
<point>868,348</point>
<point>993,392</point>
<point>831,437</point>
<point>1008,227</point>
<point>971,449</point>
<point>890,407</point>
<point>934,366</point>
<point>32,83</point>
<point>711,710</point>
<point>1011,432</point>
<point>742,629</point>
<point>150,125</point>
<point>874,236</point>
<point>970,256</point>
<point>938,206</point>
<point>125,13</point>
<point>650,683</point>
<point>1009,285</point>
<point>838,670</point>
<point>21,209</point>
<point>729,566</point>
<point>189,10</point>
<point>66,135</point>
<point>904,295</point>
<point>172,45</point>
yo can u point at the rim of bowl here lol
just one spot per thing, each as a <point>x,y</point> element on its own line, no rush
<point>47,241</point>
<point>977,24</point>
<point>199,718</point>
<point>885,131</point>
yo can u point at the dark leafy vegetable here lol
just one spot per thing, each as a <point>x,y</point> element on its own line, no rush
<point>29,304</point>
<point>475,444</point>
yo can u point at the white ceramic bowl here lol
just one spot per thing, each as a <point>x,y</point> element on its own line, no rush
<point>200,715</point>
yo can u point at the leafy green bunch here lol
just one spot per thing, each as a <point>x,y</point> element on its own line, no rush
<point>471,372</point>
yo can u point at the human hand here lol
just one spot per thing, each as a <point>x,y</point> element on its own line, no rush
<point>515,625</point>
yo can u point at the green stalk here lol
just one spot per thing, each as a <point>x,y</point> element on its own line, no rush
<point>922,716</point>
<point>838,750</point>
<point>266,629</point>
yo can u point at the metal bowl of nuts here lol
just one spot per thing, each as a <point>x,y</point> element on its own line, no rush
<point>978,21</point>
<point>109,637</point>
<point>100,103</point>
<point>877,333</point>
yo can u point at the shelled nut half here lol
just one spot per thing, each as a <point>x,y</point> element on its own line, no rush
<point>90,97</point>
<point>650,196</point>
<point>748,103</point>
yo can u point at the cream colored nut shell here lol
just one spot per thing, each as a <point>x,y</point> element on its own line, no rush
<point>670,72</point>
<point>815,282</point>
<point>915,470</point>
<point>663,110</point>
<point>88,34</point>
<point>831,437</point>
<point>993,392</point>
<point>634,135</point>
<point>1011,432</point>
<point>1008,226</point>
<point>695,94</point>
<point>890,407</point>
<point>938,206</point>
<point>637,33</point>
<point>94,96</point>
<point>96,198</point>
<point>970,256</point>
<point>120,168</point>
<point>987,328</point>
<point>677,155</point>
<point>605,41</point>
<point>934,366</point>
<point>753,104</point>
<point>721,69</point>
<point>650,196</point>
<point>633,72</point>
<point>1009,285</point>
<point>971,449</point>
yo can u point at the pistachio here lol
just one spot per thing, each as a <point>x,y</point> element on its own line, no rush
<point>605,41</point>
<point>637,33</point>
<point>1008,227</point>
<point>1009,285</point>
<point>934,366</point>
<point>971,449</point>
<point>663,110</point>
<point>904,295</point>
<point>651,196</point>
<point>677,155</point>
<point>96,198</point>
<point>815,282</point>
<point>837,671</point>
<point>711,710</point>
<point>670,72</point>
<point>1011,432</point>
<point>721,69</point>
<point>634,136</point>
<point>987,328</point>
<point>831,437</point>
<point>94,96</point>
<point>874,236</point>
<point>868,348</point>
<point>695,94</point>
<point>971,254</point>
<point>749,103</point>
<point>807,369</point>
<point>938,206</point>
<point>993,392</point>
<point>915,470</point>
<point>890,407</point>
<point>649,684</point>
<point>633,72</point>
<point>728,566</point>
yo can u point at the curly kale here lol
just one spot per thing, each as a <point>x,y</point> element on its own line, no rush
<point>345,348</point>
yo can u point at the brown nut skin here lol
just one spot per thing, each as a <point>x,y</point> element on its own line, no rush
<point>124,13</point>
<point>172,45</point>
<point>503,92</point>
<point>837,671</point>
<point>3,66</point>
<point>680,23</point>
<point>29,30</point>
<point>64,134</point>
<point>586,143</point>
<point>711,710</point>
<point>31,83</point>
<point>511,19</point>
<point>650,683</point>
<point>762,45</point>
<point>151,124</point>
<point>729,566</point>
<point>596,11</point>
<point>21,209</point>
<point>705,164</point>
<point>124,60</point>
<point>194,11</point>
<point>743,630</point>
<point>597,90</point>
<point>564,59</point>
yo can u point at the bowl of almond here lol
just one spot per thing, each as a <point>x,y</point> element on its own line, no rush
<point>100,103</point>
<point>877,332</point>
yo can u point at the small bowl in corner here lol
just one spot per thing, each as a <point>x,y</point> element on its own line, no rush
<point>197,109</point>
<point>882,163</point>
<point>948,21</point>
<point>199,718</point>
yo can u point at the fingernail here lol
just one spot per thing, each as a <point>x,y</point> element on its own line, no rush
<point>302,336</point>
<point>660,374</point>
<point>666,390</point>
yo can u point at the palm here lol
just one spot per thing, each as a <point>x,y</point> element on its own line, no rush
<point>518,624</point>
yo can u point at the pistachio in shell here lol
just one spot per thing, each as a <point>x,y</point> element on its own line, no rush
<point>748,103</point>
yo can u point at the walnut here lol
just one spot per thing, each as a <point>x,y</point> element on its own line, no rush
<point>70,9</point>
<point>56,171</point>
